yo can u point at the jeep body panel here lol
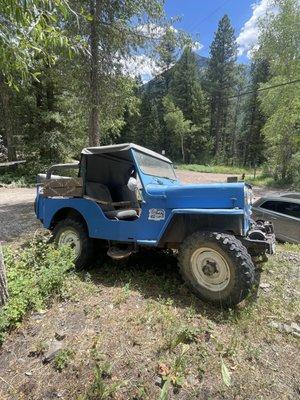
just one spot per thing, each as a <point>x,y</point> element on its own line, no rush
<point>142,230</point>
<point>163,201</point>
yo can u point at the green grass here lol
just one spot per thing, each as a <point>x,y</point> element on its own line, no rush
<point>34,275</point>
<point>102,386</point>
<point>25,175</point>
<point>291,247</point>
<point>259,180</point>
<point>17,180</point>
<point>63,359</point>
<point>217,169</point>
<point>268,181</point>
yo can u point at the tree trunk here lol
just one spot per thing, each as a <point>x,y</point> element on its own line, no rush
<point>182,149</point>
<point>49,88</point>
<point>3,282</point>
<point>94,127</point>
<point>7,119</point>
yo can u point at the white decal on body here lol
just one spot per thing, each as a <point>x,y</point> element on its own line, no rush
<point>157,214</point>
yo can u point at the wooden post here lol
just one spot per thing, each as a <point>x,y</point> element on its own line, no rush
<point>3,282</point>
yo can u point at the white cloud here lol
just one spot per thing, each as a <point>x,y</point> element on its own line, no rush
<point>247,39</point>
<point>197,46</point>
<point>142,65</point>
<point>153,30</point>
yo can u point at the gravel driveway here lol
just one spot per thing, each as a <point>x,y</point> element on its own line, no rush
<point>17,217</point>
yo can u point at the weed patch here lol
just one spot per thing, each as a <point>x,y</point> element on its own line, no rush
<point>34,275</point>
<point>63,359</point>
<point>184,335</point>
<point>123,295</point>
<point>103,386</point>
<point>175,374</point>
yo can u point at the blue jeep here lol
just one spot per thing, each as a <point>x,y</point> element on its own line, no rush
<point>127,197</point>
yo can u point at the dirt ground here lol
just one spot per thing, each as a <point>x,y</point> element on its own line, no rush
<point>17,217</point>
<point>136,321</point>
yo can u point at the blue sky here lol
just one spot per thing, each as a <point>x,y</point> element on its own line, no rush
<point>201,17</point>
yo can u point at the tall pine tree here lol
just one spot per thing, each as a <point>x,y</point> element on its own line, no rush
<point>149,127</point>
<point>221,82</point>
<point>252,143</point>
<point>188,95</point>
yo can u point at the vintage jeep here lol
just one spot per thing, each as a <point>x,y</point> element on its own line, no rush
<point>127,197</point>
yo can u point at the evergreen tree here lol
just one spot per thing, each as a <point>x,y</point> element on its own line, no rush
<point>238,116</point>
<point>167,50</point>
<point>112,35</point>
<point>279,44</point>
<point>150,128</point>
<point>188,96</point>
<point>221,82</point>
<point>3,151</point>
<point>252,140</point>
<point>178,127</point>
<point>132,116</point>
<point>29,31</point>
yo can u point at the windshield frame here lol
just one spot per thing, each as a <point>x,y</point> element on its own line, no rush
<point>158,160</point>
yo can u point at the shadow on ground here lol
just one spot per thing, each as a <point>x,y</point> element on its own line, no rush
<point>155,274</point>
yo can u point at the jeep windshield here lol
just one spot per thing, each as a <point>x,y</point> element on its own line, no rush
<point>155,167</point>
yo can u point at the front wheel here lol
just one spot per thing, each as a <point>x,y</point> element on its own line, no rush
<point>217,267</point>
<point>73,233</point>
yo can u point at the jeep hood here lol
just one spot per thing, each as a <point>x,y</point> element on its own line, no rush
<point>213,195</point>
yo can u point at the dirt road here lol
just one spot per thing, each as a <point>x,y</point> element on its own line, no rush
<point>17,217</point>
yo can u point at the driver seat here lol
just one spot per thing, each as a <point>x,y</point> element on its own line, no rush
<point>101,194</point>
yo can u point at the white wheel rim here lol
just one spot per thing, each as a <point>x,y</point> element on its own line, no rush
<point>70,238</point>
<point>210,269</point>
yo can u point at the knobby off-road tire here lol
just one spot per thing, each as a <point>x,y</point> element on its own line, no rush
<point>72,232</point>
<point>217,267</point>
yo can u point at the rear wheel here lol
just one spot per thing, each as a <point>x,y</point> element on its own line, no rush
<point>217,267</point>
<point>73,233</point>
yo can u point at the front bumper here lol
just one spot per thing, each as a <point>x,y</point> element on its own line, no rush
<point>260,239</point>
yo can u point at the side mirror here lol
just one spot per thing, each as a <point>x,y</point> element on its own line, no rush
<point>132,184</point>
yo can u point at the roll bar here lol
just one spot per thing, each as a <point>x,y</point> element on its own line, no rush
<point>61,166</point>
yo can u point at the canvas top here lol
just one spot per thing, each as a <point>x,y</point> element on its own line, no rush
<point>124,147</point>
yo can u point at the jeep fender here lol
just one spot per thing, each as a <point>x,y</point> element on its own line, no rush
<point>57,209</point>
<point>183,223</point>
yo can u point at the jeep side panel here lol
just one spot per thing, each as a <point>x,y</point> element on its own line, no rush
<point>146,229</point>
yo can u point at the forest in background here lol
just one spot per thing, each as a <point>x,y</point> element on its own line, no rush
<point>64,85</point>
